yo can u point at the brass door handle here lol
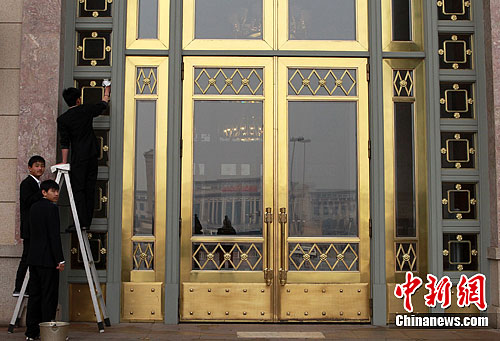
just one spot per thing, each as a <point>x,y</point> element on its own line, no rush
<point>268,272</point>
<point>283,218</point>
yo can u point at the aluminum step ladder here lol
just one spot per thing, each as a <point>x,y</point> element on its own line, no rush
<point>88,261</point>
<point>18,310</point>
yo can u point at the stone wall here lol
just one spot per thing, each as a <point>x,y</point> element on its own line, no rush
<point>30,62</point>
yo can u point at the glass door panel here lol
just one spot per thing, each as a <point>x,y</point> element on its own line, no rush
<point>323,198</point>
<point>228,24</point>
<point>275,192</point>
<point>323,25</point>
<point>226,188</point>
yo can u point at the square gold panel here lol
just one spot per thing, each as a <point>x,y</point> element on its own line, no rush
<point>454,9</point>
<point>80,302</point>
<point>455,51</point>
<point>458,150</point>
<point>94,8</point>
<point>456,100</point>
<point>460,252</point>
<point>459,201</point>
<point>93,48</point>
<point>142,301</point>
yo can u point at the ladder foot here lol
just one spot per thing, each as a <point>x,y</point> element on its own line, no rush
<point>100,325</point>
<point>107,322</point>
<point>11,328</point>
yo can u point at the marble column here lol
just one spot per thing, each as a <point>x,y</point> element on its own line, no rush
<point>492,51</point>
<point>40,73</point>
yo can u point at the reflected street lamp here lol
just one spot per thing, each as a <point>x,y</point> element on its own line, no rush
<point>303,140</point>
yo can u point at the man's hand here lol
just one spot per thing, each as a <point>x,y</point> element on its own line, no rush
<point>60,267</point>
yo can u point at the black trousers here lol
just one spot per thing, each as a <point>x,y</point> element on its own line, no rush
<point>83,177</point>
<point>23,266</point>
<point>42,303</point>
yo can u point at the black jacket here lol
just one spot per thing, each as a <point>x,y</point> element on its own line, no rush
<point>76,130</point>
<point>45,247</point>
<point>29,193</point>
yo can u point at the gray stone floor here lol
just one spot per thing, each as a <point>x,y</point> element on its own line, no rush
<point>188,331</point>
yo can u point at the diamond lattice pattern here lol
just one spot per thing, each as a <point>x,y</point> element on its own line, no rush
<point>226,256</point>
<point>330,82</point>
<point>324,257</point>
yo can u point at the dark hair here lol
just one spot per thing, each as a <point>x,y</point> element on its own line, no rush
<point>49,184</point>
<point>70,96</point>
<point>35,158</point>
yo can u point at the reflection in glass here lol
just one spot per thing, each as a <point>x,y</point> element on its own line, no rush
<point>144,200</point>
<point>323,175</point>
<point>401,20</point>
<point>148,19</point>
<point>322,20</point>
<point>228,19</point>
<point>227,168</point>
<point>404,170</point>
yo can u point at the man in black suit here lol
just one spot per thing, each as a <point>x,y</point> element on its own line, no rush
<point>29,193</point>
<point>45,259</point>
<point>76,130</point>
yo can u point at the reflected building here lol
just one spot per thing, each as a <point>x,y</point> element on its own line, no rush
<point>238,199</point>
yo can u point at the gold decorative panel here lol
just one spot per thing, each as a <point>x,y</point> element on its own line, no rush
<point>403,83</point>
<point>242,301</point>
<point>322,82</point>
<point>227,256</point>
<point>98,246</point>
<point>103,143</point>
<point>93,48</point>
<point>146,83</point>
<point>457,150</point>
<point>455,51</point>
<point>406,256</point>
<point>460,252</point>
<point>94,8</point>
<point>80,302</point>
<point>142,301</point>
<point>460,202</point>
<point>456,100</point>
<point>332,302</point>
<point>454,9</point>
<point>143,255</point>
<point>323,257</point>
<point>229,81</point>
<point>101,199</point>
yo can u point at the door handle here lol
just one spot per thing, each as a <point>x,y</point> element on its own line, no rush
<point>268,272</point>
<point>283,269</point>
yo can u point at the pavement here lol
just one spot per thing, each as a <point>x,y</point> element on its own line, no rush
<point>259,331</point>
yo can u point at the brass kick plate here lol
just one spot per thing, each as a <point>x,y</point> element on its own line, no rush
<point>142,301</point>
<point>325,302</point>
<point>226,301</point>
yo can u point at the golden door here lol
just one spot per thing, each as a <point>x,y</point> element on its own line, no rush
<point>275,190</point>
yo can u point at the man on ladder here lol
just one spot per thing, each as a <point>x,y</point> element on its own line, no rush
<point>76,131</point>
